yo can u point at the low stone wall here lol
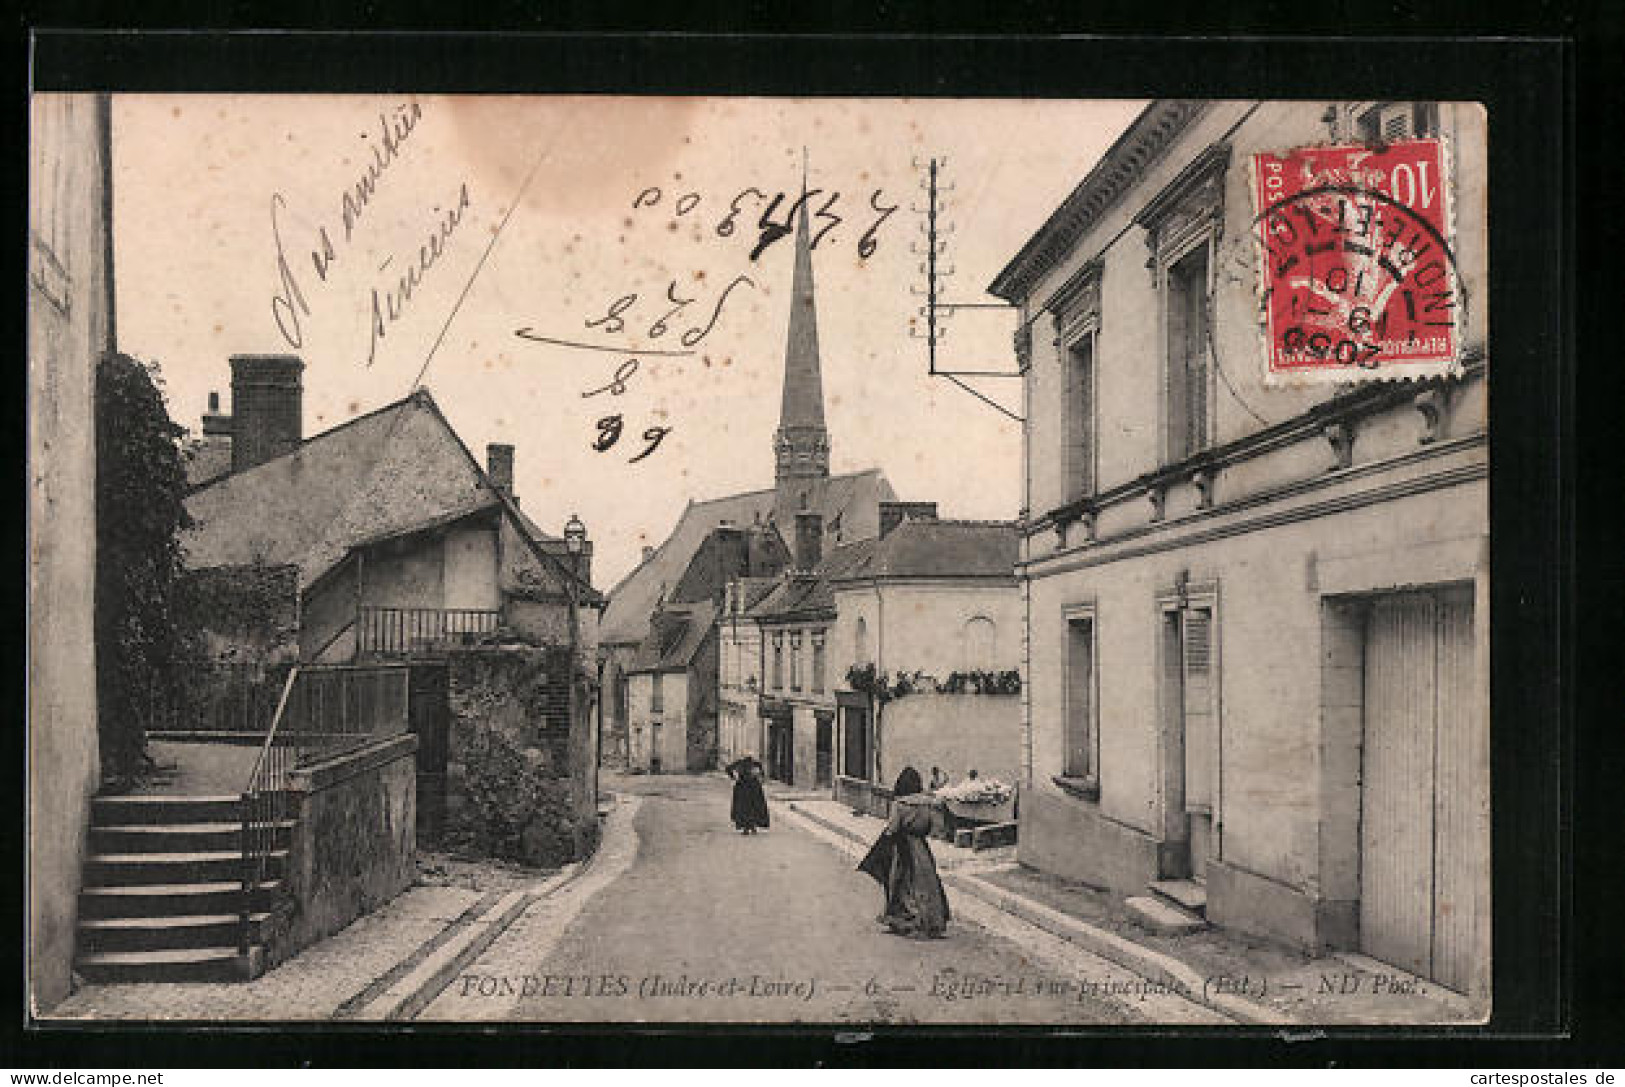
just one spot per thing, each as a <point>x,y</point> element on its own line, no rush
<point>863,796</point>
<point>354,844</point>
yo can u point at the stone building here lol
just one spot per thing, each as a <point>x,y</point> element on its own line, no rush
<point>70,327</point>
<point>848,506</point>
<point>934,603</point>
<point>1257,629</point>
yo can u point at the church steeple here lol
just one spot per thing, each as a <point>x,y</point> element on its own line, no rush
<point>801,445</point>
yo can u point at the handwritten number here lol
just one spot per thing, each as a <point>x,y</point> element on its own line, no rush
<point>726,227</point>
<point>771,231</point>
<point>867,243</point>
<point>654,436</point>
<point>686,202</point>
<point>617,384</point>
<point>648,198</point>
<point>696,334</point>
<point>825,213</point>
<point>612,320</point>
<point>658,329</point>
<point>609,432</point>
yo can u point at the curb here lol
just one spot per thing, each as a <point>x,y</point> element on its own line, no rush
<point>1152,965</point>
<point>414,992</point>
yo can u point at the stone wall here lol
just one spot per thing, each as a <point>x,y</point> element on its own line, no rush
<point>516,769</point>
<point>354,845</point>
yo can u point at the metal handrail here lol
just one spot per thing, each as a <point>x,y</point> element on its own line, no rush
<point>323,710</point>
<point>263,809</point>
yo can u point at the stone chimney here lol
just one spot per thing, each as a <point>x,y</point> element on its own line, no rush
<point>893,514</point>
<point>267,404</point>
<point>648,552</point>
<point>499,466</point>
<point>809,540</point>
<point>216,425</point>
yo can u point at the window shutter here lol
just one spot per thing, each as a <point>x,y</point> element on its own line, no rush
<point>1201,731</point>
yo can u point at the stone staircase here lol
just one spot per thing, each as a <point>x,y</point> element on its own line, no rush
<point>1173,908</point>
<point>162,895</point>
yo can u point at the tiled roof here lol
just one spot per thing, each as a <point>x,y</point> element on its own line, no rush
<point>939,549</point>
<point>626,619</point>
<point>680,644</point>
<point>810,594</point>
<point>392,471</point>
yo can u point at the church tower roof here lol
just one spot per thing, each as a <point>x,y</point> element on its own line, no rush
<point>801,445</point>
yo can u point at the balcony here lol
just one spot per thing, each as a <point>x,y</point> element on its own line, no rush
<point>404,632</point>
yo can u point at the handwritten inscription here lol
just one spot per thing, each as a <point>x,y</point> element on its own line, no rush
<point>390,305</point>
<point>817,203</point>
<point>289,302</point>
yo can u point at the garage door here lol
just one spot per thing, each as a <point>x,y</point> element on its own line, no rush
<point>1422,857</point>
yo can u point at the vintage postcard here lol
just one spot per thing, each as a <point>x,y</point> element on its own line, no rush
<point>551,559</point>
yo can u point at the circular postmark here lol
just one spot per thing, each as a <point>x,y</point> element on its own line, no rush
<point>1355,272</point>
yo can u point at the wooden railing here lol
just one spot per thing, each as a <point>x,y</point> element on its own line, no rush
<point>405,631</point>
<point>322,711</point>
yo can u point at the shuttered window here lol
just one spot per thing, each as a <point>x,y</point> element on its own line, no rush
<point>1080,461</point>
<point>1186,376</point>
<point>1200,721</point>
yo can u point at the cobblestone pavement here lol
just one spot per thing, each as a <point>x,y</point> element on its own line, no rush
<point>705,924</point>
<point>311,985</point>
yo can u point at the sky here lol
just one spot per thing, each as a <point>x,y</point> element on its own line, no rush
<point>525,220</point>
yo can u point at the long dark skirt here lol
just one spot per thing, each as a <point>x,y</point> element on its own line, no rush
<point>749,809</point>
<point>916,904</point>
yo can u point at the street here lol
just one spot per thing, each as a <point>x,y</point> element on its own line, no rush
<point>702,923</point>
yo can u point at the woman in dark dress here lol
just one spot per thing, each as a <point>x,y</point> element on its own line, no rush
<point>749,810</point>
<point>901,862</point>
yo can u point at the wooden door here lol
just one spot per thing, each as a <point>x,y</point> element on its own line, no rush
<point>1420,865</point>
<point>428,711</point>
<point>824,767</point>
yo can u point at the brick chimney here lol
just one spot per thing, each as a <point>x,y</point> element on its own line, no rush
<point>266,403</point>
<point>809,540</point>
<point>499,466</point>
<point>893,514</point>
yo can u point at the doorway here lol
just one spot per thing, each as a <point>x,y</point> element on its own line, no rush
<point>1423,757</point>
<point>1190,709</point>
<point>824,751</point>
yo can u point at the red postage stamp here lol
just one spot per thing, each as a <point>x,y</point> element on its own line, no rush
<point>1357,280</point>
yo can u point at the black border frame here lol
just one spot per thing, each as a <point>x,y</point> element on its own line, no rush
<point>1528,89</point>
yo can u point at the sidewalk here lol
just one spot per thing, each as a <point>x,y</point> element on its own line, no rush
<point>1246,980</point>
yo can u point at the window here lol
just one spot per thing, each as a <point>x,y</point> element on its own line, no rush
<point>1076,306</point>
<point>1081,758</point>
<point>1187,375</point>
<point>860,641</point>
<point>1080,413</point>
<point>1386,122</point>
<point>979,638</point>
<point>795,661</point>
<point>818,662</point>
<point>657,698</point>
<point>778,662</point>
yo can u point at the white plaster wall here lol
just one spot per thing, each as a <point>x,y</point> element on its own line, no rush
<point>69,317</point>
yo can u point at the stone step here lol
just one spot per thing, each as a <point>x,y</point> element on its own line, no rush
<point>1163,917</point>
<point>166,933</point>
<point>172,899</point>
<point>184,964</point>
<point>177,837</point>
<point>1183,892</point>
<point>115,869</point>
<point>124,810</point>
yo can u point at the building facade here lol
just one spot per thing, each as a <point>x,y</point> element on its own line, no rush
<point>848,505</point>
<point>935,605</point>
<point>70,327</point>
<point>1257,625</point>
